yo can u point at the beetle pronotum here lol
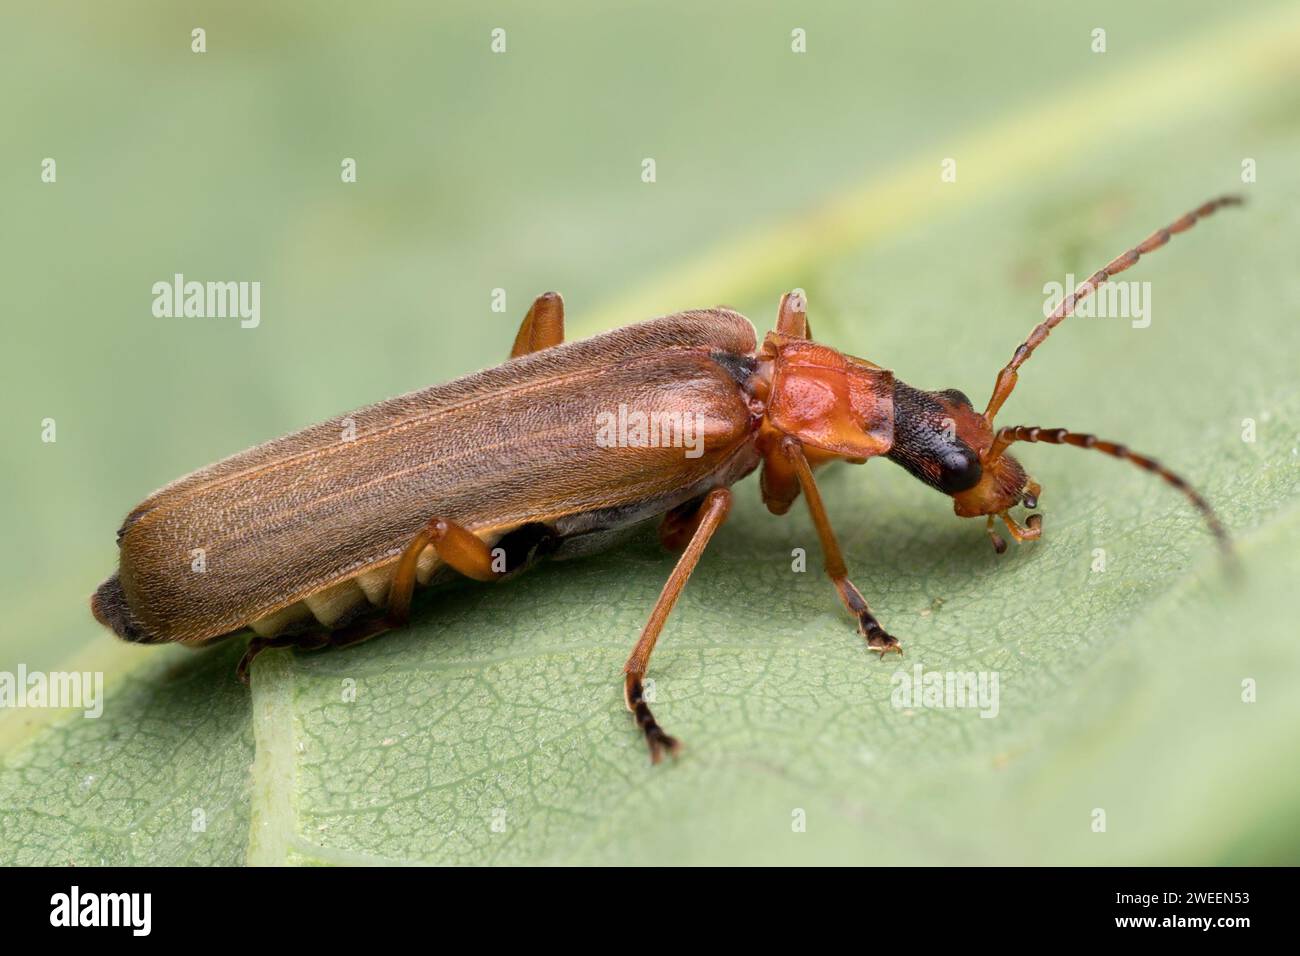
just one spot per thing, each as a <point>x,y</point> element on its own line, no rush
<point>319,538</point>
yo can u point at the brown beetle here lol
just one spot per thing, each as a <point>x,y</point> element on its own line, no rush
<point>319,538</point>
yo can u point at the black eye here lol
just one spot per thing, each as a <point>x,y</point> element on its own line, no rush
<point>956,396</point>
<point>959,469</point>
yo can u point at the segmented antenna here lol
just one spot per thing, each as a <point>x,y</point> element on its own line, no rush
<point>1007,377</point>
<point>1062,436</point>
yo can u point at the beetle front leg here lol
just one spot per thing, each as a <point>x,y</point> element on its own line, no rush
<point>713,511</point>
<point>877,638</point>
<point>792,316</point>
<point>542,327</point>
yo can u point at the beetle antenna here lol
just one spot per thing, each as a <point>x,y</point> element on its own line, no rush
<point>1006,381</point>
<point>1062,436</point>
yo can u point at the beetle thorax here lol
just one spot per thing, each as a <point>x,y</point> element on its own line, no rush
<point>829,402</point>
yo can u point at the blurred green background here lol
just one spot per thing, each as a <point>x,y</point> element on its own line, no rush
<point>522,171</point>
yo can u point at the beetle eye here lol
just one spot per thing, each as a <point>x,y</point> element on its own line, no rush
<point>959,469</point>
<point>957,396</point>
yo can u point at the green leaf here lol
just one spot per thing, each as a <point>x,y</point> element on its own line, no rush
<point>492,730</point>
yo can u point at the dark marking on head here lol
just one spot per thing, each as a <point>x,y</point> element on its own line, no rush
<point>926,442</point>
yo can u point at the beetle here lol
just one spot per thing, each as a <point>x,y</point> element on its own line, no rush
<point>320,538</point>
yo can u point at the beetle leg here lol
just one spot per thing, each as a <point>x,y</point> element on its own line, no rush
<point>792,315</point>
<point>877,638</point>
<point>454,545</point>
<point>310,640</point>
<point>778,483</point>
<point>679,525</point>
<point>999,542</point>
<point>1032,530</point>
<point>542,327</point>
<point>712,512</point>
<point>314,640</point>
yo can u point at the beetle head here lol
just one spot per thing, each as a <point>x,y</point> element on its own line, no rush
<point>836,406</point>
<point>942,440</point>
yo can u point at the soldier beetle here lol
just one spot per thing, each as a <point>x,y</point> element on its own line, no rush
<point>319,538</point>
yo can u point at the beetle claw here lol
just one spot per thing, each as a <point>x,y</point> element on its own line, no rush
<point>658,741</point>
<point>878,640</point>
<point>255,647</point>
<point>655,738</point>
<point>999,542</point>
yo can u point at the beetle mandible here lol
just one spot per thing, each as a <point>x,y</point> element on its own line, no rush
<point>319,538</point>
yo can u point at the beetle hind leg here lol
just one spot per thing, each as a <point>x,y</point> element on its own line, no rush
<point>454,545</point>
<point>316,639</point>
<point>712,512</point>
<point>656,739</point>
<point>308,640</point>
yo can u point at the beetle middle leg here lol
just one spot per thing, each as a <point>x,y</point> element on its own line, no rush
<point>542,327</point>
<point>877,638</point>
<point>712,512</point>
<point>678,526</point>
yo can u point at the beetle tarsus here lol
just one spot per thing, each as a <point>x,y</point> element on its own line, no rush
<point>711,513</point>
<point>659,741</point>
<point>879,640</point>
<point>999,542</point>
<point>307,641</point>
<point>255,647</point>
<point>1031,531</point>
<point>655,738</point>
